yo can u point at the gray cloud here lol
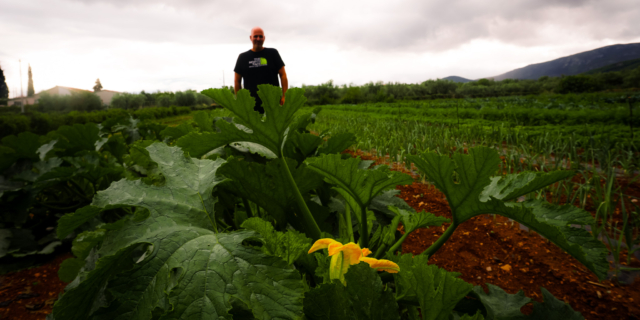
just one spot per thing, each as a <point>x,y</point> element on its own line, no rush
<point>387,26</point>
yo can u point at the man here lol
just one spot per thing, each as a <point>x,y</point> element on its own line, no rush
<point>260,65</point>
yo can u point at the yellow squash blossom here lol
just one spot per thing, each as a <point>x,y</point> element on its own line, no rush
<point>343,256</point>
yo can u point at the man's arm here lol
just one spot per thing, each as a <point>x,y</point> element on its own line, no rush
<point>285,83</point>
<point>237,83</point>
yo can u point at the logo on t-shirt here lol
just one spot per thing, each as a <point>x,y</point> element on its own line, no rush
<point>258,62</point>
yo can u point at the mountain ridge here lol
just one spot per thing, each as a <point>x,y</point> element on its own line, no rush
<point>576,63</point>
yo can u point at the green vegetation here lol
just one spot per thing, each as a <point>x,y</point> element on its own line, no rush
<point>187,98</point>
<point>577,132</point>
<point>213,217</point>
<point>42,123</point>
<point>328,93</point>
<point>620,66</point>
<point>233,204</point>
<point>4,90</point>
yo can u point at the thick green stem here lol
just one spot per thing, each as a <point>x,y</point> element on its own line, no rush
<point>443,238</point>
<point>397,244</point>
<point>349,224</point>
<point>247,207</point>
<point>380,250</point>
<point>307,218</point>
<point>364,228</point>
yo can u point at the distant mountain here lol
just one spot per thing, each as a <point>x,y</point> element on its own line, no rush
<point>577,63</point>
<point>457,79</point>
<point>620,66</point>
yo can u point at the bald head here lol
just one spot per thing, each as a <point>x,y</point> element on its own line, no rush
<point>257,39</point>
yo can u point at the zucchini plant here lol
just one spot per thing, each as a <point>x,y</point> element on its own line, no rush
<point>257,218</point>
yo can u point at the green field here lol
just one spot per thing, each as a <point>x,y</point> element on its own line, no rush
<point>156,204</point>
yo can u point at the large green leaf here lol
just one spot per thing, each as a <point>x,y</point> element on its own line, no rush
<point>204,120</point>
<point>80,301</point>
<point>475,194</point>
<point>501,305</point>
<point>338,143</point>
<point>188,270</point>
<point>504,306</point>
<point>289,245</point>
<point>513,186</point>
<point>384,200</point>
<point>553,222</point>
<point>185,199</point>
<point>364,297</point>
<point>202,271</point>
<point>415,220</point>
<point>71,221</point>
<point>553,309</point>
<point>250,127</point>
<point>7,158</point>
<point>7,185</point>
<point>25,145</point>
<point>353,182</point>
<point>177,132</point>
<point>436,290</point>
<point>474,172</point>
<point>305,142</point>
<point>78,137</point>
<point>267,185</point>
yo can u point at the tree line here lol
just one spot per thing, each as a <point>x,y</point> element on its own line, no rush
<point>329,93</point>
<point>88,101</point>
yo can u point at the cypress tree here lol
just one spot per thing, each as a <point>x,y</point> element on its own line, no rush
<point>4,89</point>
<point>30,91</point>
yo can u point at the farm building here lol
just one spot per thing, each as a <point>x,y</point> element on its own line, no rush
<point>105,95</point>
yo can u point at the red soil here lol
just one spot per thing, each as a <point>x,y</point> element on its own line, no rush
<point>492,250</point>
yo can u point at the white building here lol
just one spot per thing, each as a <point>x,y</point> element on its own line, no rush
<point>105,95</point>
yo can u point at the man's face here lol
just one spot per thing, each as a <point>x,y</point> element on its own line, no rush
<point>257,37</point>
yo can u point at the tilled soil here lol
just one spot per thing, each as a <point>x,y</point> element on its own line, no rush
<point>29,294</point>
<point>492,249</point>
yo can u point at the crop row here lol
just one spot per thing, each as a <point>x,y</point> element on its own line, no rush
<point>605,159</point>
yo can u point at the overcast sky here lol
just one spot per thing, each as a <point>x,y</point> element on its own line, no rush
<point>134,45</point>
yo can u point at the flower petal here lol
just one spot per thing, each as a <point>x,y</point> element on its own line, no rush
<point>322,244</point>
<point>366,252</point>
<point>352,253</point>
<point>382,265</point>
<point>335,248</point>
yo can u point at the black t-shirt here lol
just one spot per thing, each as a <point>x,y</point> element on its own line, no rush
<point>259,68</point>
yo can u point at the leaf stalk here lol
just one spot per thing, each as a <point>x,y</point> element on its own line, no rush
<point>307,218</point>
<point>443,238</point>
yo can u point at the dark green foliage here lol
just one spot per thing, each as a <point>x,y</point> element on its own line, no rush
<point>632,80</point>
<point>364,298</point>
<point>577,84</point>
<point>156,229</point>
<point>41,123</point>
<point>4,90</point>
<point>128,100</point>
<point>186,98</point>
<point>78,101</point>
<point>620,66</point>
